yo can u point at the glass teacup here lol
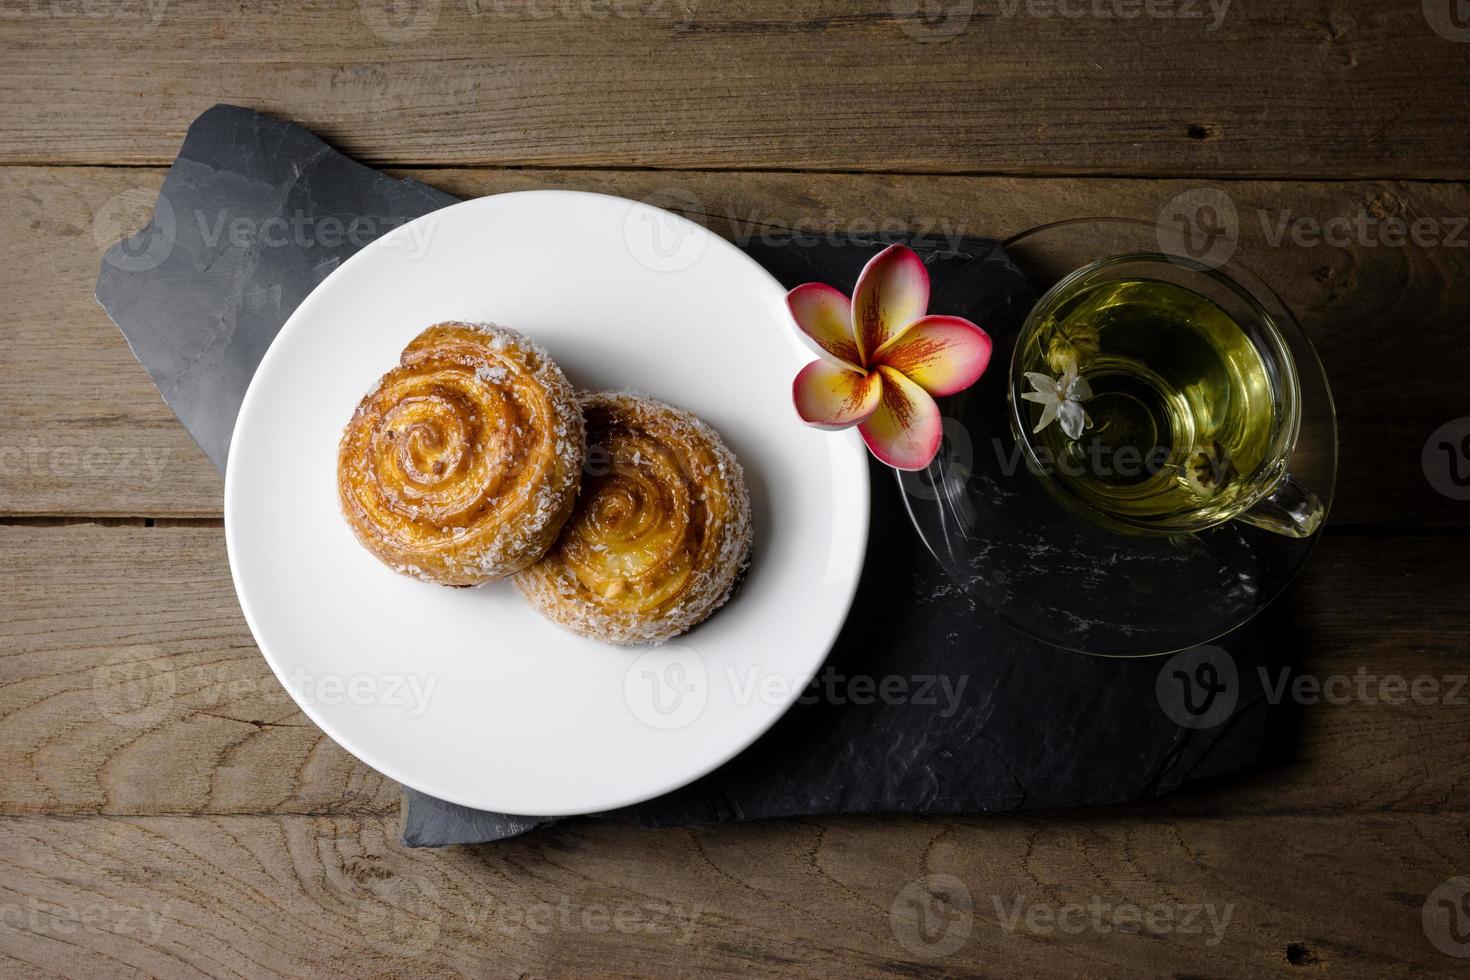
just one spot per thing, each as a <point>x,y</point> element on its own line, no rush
<point>1153,393</point>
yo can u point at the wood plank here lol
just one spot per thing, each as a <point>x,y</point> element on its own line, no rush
<point>129,684</point>
<point>1355,88</point>
<point>335,897</point>
<point>82,428</point>
<point>1388,320</point>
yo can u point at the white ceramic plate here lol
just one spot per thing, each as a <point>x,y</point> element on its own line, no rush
<point>466,694</point>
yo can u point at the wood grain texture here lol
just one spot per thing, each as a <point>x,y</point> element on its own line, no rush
<point>1177,87</point>
<point>82,428</point>
<point>129,684</point>
<point>335,897</point>
<point>1389,320</point>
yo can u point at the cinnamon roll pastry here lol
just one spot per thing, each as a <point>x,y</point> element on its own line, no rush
<point>661,531</point>
<point>463,462</point>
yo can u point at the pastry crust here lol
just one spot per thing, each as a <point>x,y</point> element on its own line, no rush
<point>661,531</point>
<point>461,464</point>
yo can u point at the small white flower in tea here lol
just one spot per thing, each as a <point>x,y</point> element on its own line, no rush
<point>1061,399</point>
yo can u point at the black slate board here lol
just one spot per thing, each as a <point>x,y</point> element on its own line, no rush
<point>986,720</point>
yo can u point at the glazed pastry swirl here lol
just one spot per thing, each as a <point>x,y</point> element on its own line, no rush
<point>660,533</point>
<point>636,542</point>
<point>463,463</point>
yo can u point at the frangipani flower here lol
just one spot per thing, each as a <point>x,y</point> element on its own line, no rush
<point>885,360</point>
<point>1061,399</point>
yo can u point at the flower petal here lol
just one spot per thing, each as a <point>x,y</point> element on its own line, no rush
<point>833,397</point>
<point>1045,385</point>
<point>944,354</point>
<point>825,315</point>
<point>1073,418</point>
<point>1048,415</point>
<point>891,293</point>
<point>906,430</point>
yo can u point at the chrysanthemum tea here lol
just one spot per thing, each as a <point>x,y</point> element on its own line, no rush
<point>1152,407</point>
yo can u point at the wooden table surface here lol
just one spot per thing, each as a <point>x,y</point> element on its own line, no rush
<point>165,809</point>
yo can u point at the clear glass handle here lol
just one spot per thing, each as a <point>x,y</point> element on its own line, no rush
<point>1291,509</point>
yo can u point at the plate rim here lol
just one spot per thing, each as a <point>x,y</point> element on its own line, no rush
<point>232,492</point>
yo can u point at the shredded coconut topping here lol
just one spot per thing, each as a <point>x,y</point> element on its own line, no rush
<point>718,481</point>
<point>530,483</point>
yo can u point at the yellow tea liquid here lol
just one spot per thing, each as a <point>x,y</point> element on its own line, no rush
<point>1183,407</point>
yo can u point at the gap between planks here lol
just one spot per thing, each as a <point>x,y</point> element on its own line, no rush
<point>735,170</point>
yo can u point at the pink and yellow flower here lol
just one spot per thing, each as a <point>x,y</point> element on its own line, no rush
<point>884,359</point>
